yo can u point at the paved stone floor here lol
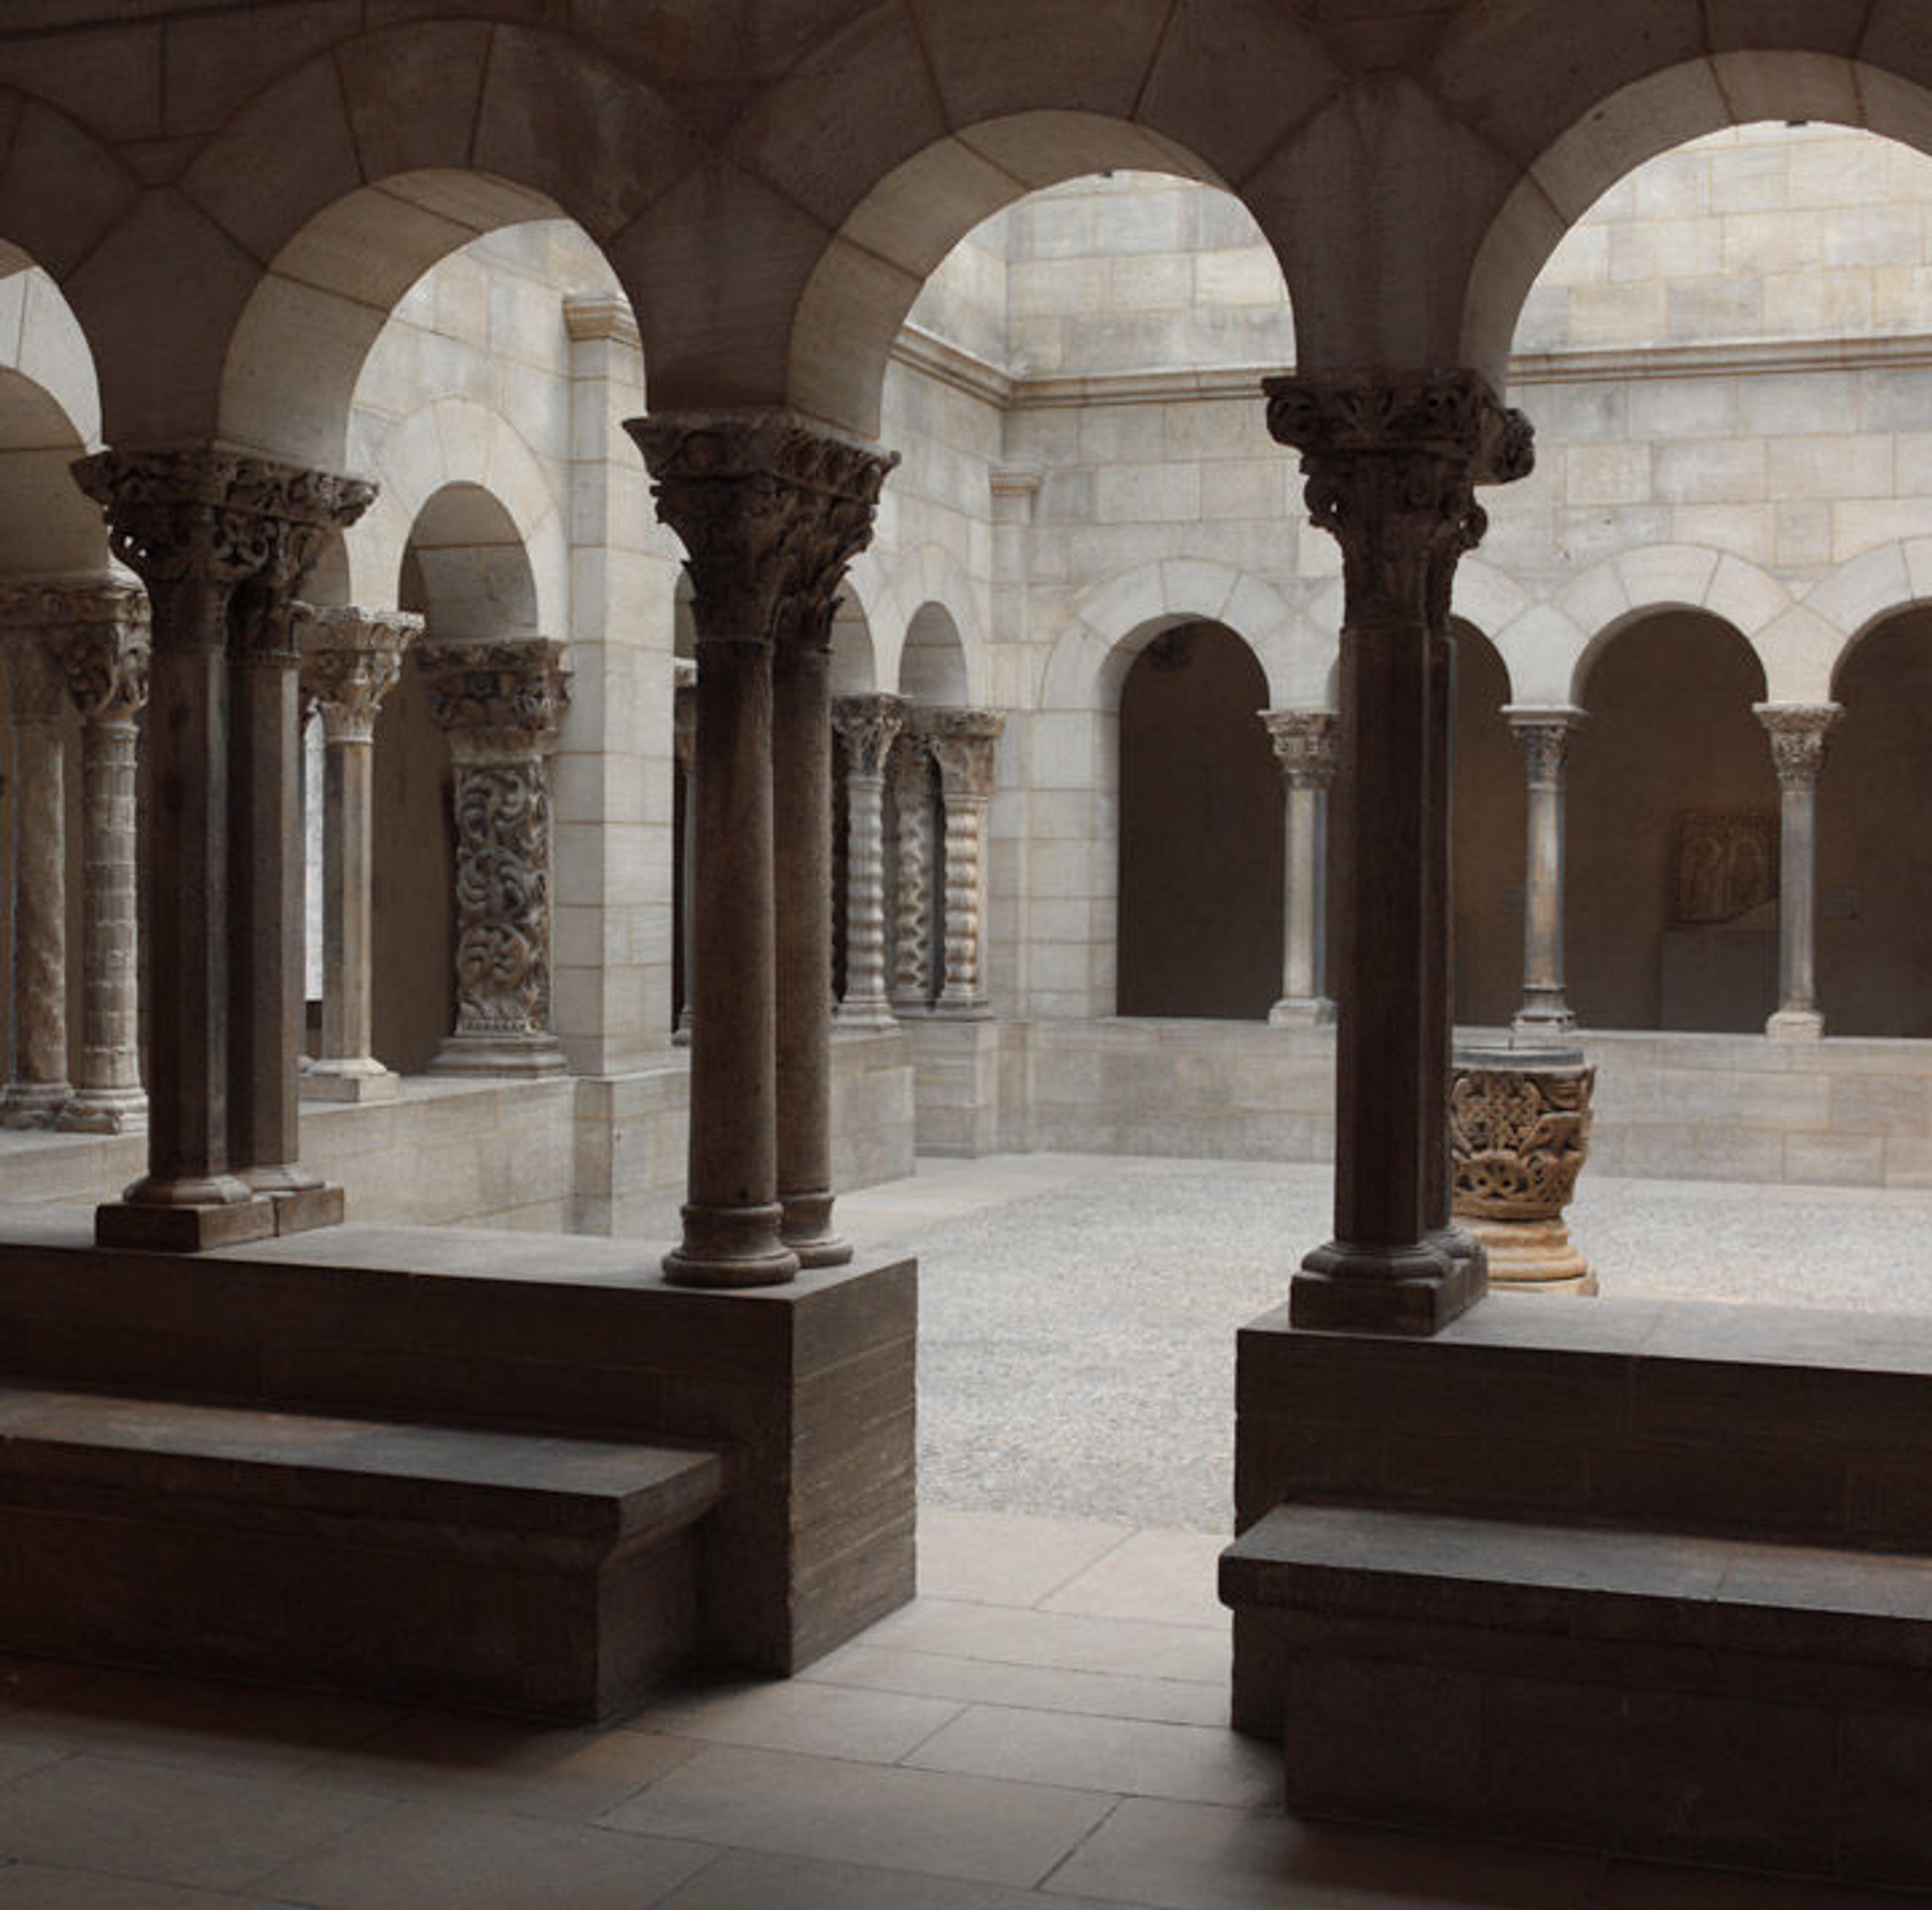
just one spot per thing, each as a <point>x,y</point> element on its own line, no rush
<point>1042,1727</point>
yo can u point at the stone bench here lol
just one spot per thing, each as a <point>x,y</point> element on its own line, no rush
<point>1755,1703</point>
<point>556,1575</point>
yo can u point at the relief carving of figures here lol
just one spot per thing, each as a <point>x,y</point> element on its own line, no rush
<point>1518,1139</point>
<point>1726,864</point>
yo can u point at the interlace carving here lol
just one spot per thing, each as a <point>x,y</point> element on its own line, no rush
<point>1517,1140</point>
<point>1391,467</point>
<point>1307,744</point>
<point>351,660</point>
<point>770,514</point>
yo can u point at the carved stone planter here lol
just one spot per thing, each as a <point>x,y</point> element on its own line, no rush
<point>1519,1133</point>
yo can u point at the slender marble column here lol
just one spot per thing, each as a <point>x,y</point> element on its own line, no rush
<point>912,775</point>
<point>769,512</point>
<point>1798,732</point>
<point>1391,465</point>
<point>350,661</point>
<point>685,741</point>
<point>107,660</point>
<point>501,705</point>
<point>1304,743</point>
<point>868,726</point>
<point>222,541</point>
<point>1544,1018</point>
<point>34,615</point>
<point>962,742</point>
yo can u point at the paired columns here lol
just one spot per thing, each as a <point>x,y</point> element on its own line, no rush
<point>501,705</point>
<point>1305,745</point>
<point>770,513</point>
<point>222,542</point>
<point>1797,732</point>
<point>350,661</point>
<point>869,728</point>
<point>1392,465</point>
<point>1544,735</point>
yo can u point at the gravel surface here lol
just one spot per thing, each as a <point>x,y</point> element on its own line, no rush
<point>1077,1313</point>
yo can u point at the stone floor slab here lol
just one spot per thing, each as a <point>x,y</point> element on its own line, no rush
<point>1166,1577</point>
<point>819,1719</point>
<point>1058,1640</point>
<point>38,1887</point>
<point>948,1825</point>
<point>743,1882</point>
<point>1008,1558</point>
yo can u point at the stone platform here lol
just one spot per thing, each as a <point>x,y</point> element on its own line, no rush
<point>558,1373</point>
<point>1680,1552</point>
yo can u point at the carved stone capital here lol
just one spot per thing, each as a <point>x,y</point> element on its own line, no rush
<point>1544,736</point>
<point>1519,1134</point>
<point>769,512</point>
<point>83,640</point>
<point>868,726</point>
<point>496,700</point>
<point>205,514</point>
<point>1307,745</point>
<point>350,661</point>
<point>1392,465</point>
<point>909,766</point>
<point>962,741</point>
<point>1798,731</point>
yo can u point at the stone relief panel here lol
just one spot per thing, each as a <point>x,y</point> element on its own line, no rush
<point>1727,865</point>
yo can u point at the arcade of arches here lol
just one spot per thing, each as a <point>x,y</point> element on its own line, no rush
<point>795,586</point>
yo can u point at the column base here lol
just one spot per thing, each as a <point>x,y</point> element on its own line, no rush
<point>806,1229</point>
<point>105,1110</point>
<point>964,1008</point>
<point>1534,1256</point>
<point>1302,1011</point>
<point>731,1247</point>
<point>184,1216</point>
<point>865,1017</point>
<point>1543,1026</point>
<point>910,1008</point>
<point>33,1104</point>
<point>1414,1290</point>
<point>518,1055</point>
<point>1795,1024</point>
<point>361,1079</point>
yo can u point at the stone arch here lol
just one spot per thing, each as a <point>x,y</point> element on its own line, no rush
<point>472,575</point>
<point>454,442</point>
<point>286,253</point>
<point>1579,104</point>
<point>1849,603</point>
<point>928,575</point>
<point>854,654</point>
<point>932,658</point>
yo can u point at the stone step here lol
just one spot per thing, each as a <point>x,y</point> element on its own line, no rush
<point>1658,1693</point>
<point>516,1571</point>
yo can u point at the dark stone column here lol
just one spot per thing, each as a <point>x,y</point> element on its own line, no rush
<point>770,513</point>
<point>222,541</point>
<point>1391,465</point>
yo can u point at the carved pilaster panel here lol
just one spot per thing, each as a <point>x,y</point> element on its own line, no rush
<point>351,659</point>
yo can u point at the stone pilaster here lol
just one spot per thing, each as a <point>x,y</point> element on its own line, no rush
<point>501,705</point>
<point>684,740</point>
<point>911,771</point>
<point>1544,1017</point>
<point>1305,745</point>
<point>222,541</point>
<point>351,660</point>
<point>868,727</point>
<point>106,656</point>
<point>1391,464</point>
<point>34,618</point>
<point>769,512</point>
<point>1798,732</point>
<point>962,744</point>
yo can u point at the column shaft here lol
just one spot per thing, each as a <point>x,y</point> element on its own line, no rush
<point>962,742</point>
<point>868,726</point>
<point>1305,744</point>
<point>685,721</point>
<point>40,1088</point>
<point>1390,467</point>
<point>912,774</point>
<point>1545,1013</point>
<point>1798,732</point>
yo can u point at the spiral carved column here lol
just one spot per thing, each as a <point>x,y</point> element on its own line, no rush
<point>868,726</point>
<point>501,705</point>
<point>911,771</point>
<point>962,742</point>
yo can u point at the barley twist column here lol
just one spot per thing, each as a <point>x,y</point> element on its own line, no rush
<point>962,742</point>
<point>1545,1015</point>
<point>768,512</point>
<point>1391,466</point>
<point>912,777</point>
<point>684,737</point>
<point>222,541</point>
<point>501,705</point>
<point>351,660</point>
<point>1797,732</point>
<point>106,658</point>
<point>38,1087</point>
<point>1304,744</point>
<point>868,726</point>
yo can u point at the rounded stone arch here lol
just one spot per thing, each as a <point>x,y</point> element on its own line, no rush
<point>415,139</point>
<point>928,582</point>
<point>855,670</point>
<point>1847,604</point>
<point>467,569</point>
<point>1578,102</point>
<point>451,445</point>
